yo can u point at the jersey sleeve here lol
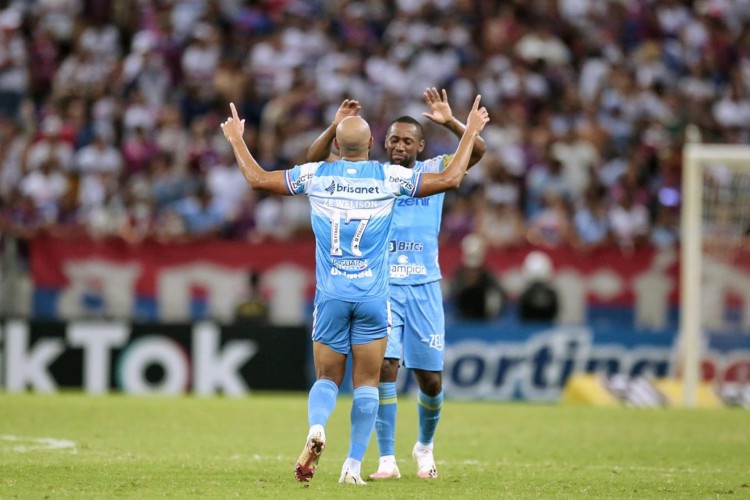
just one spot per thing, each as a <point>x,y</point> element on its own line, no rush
<point>299,177</point>
<point>402,181</point>
<point>437,164</point>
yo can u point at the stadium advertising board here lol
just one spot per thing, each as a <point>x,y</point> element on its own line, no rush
<point>168,359</point>
<point>619,311</point>
<point>506,360</point>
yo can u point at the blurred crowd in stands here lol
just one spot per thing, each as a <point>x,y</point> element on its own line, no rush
<point>110,110</point>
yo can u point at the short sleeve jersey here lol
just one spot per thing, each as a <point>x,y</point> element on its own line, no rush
<point>413,247</point>
<point>351,210</point>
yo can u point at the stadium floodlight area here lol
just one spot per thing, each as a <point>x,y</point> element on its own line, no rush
<point>715,260</point>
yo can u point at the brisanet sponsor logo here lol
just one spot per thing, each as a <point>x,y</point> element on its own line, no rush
<point>335,187</point>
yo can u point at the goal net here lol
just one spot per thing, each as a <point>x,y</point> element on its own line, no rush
<point>715,265</point>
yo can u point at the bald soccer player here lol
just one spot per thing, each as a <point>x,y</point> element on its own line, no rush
<point>351,202</point>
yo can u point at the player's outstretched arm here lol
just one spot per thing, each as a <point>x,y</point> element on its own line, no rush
<point>442,114</point>
<point>320,149</point>
<point>258,178</point>
<point>451,177</point>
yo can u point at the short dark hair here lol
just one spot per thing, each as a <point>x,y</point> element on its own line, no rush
<point>410,121</point>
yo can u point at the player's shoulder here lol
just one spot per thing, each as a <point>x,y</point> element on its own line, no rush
<point>433,165</point>
<point>310,166</point>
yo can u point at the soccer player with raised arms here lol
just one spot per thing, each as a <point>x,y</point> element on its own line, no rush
<point>351,209</point>
<point>418,328</point>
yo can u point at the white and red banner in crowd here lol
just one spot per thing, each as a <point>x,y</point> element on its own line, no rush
<point>157,282</point>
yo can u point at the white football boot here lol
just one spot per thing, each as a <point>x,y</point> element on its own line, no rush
<point>387,469</point>
<point>307,462</point>
<point>425,461</point>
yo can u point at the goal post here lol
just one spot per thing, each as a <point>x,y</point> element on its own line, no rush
<point>715,218</point>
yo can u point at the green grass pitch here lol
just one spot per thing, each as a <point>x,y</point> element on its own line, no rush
<point>187,447</point>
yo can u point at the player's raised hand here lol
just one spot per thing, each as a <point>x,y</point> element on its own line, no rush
<point>478,117</point>
<point>233,127</point>
<point>349,107</point>
<point>440,110</point>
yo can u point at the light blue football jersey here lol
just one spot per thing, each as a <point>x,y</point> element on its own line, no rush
<point>413,246</point>
<point>351,210</point>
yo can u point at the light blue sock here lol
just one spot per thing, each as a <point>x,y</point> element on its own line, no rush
<point>429,416</point>
<point>385,424</point>
<point>364,412</point>
<point>321,401</point>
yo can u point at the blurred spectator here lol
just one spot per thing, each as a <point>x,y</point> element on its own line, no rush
<point>44,60</point>
<point>578,158</point>
<point>501,224</point>
<point>50,146</point>
<point>551,227</point>
<point>14,81</point>
<point>13,145</point>
<point>201,58</point>
<point>539,300</point>
<point>81,74</point>
<point>102,40</point>
<point>104,219</point>
<point>226,182</point>
<point>101,155</point>
<point>474,289</point>
<point>541,44</point>
<point>629,221</point>
<point>137,221</point>
<point>545,179</point>
<point>579,91</point>
<point>168,181</point>
<point>20,217</point>
<point>45,186</point>
<point>664,233</point>
<point>68,221</point>
<point>253,309</point>
<point>172,137</point>
<point>138,149</point>
<point>458,222</point>
<point>201,215</point>
<point>242,224</point>
<point>590,219</point>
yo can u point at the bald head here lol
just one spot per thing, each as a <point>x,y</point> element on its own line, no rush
<point>353,137</point>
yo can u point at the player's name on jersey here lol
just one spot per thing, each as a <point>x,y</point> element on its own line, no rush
<point>351,203</point>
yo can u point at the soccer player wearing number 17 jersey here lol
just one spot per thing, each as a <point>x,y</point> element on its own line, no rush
<point>351,208</point>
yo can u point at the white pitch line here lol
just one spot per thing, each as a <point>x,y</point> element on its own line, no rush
<point>28,444</point>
